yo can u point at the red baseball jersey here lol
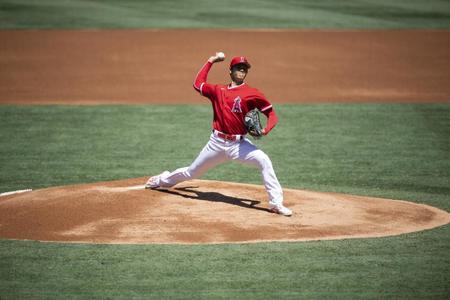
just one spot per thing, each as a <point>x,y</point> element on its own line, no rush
<point>230,104</point>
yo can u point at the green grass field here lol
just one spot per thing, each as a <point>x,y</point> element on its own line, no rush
<point>385,150</point>
<point>393,151</point>
<point>224,14</point>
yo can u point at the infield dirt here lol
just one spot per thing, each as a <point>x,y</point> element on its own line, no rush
<point>159,66</point>
<point>201,211</point>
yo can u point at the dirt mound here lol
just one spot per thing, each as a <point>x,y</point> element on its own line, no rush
<point>201,211</point>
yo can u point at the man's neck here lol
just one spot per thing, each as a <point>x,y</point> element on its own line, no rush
<point>235,84</point>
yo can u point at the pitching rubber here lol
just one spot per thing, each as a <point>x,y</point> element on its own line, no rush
<point>15,192</point>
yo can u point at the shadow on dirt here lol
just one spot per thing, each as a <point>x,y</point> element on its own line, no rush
<point>187,192</point>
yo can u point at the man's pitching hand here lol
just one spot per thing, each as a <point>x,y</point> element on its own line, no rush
<point>220,56</point>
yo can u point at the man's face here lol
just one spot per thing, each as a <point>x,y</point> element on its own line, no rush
<point>238,73</point>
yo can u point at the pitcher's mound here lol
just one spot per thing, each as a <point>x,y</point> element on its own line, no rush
<point>201,211</point>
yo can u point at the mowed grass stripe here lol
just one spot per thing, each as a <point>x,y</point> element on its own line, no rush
<point>413,266</point>
<point>19,14</point>
<point>395,151</point>
<point>392,151</point>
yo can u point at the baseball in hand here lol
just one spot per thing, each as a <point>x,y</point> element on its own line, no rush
<point>220,56</point>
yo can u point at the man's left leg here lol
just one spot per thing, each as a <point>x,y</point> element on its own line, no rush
<point>249,154</point>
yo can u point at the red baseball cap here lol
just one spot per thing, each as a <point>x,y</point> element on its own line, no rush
<point>239,60</point>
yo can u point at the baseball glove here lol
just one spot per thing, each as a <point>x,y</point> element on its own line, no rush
<point>253,123</point>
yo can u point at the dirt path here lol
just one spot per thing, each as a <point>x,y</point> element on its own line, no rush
<point>202,212</point>
<point>158,66</point>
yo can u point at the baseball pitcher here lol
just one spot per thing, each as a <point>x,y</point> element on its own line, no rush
<point>234,116</point>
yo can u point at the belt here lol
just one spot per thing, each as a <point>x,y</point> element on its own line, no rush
<point>228,137</point>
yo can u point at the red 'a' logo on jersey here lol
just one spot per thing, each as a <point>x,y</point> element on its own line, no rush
<point>237,105</point>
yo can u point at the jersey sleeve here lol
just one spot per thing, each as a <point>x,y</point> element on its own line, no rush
<point>263,105</point>
<point>200,84</point>
<point>272,120</point>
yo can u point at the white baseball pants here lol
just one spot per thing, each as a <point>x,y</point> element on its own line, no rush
<point>218,151</point>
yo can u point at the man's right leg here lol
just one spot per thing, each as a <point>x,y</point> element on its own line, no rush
<point>212,155</point>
